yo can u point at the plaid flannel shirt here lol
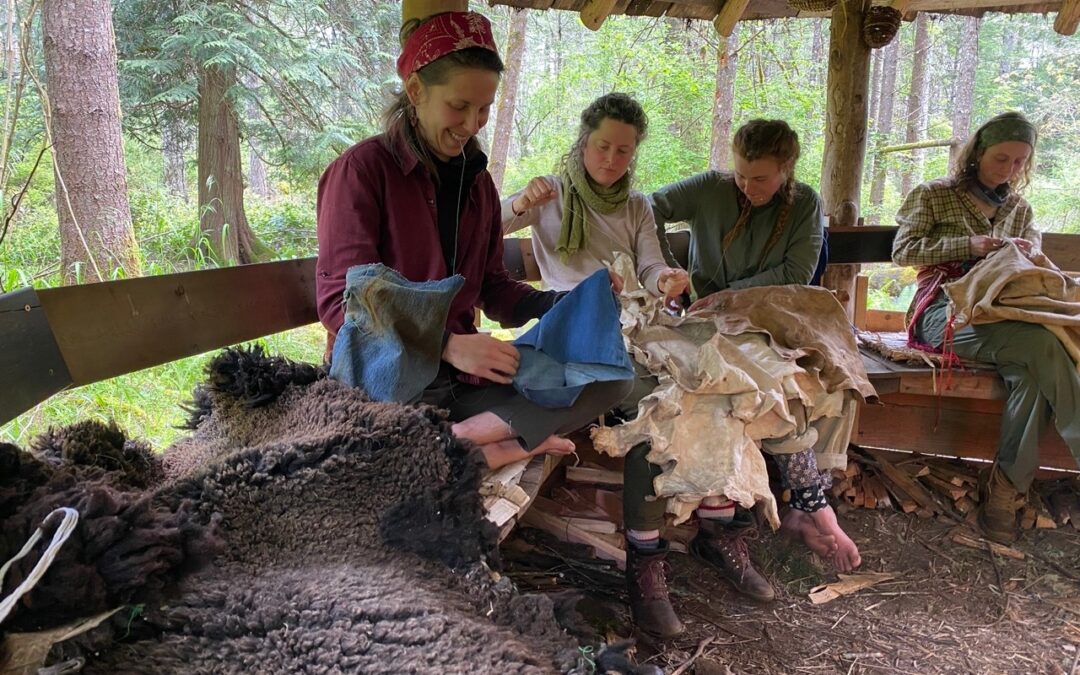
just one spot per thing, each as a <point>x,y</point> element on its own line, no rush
<point>937,220</point>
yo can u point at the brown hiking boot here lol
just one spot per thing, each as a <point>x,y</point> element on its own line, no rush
<point>723,546</point>
<point>997,517</point>
<point>646,582</point>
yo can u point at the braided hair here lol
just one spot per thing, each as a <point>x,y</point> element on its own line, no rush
<point>758,139</point>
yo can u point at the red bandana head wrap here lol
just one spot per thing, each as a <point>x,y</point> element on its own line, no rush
<point>442,35</point>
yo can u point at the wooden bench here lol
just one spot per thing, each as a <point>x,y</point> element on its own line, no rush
<point>920,409</point>
<point>67,337</point>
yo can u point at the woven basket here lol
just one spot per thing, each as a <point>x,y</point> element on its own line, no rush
<point>812,5</point>
<point>880,26</point>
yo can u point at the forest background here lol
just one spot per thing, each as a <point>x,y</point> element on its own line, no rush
<point>230,110</point>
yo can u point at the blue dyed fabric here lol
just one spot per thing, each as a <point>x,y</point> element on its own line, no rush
<point>391,342</point>
<point>577,342</point>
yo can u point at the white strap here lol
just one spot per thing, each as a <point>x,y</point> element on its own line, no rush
<point>71,519</point>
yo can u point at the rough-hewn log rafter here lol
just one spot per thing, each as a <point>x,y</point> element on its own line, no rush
<point>1068,17</point>
<point>595,12</point>
<point>729,15</point>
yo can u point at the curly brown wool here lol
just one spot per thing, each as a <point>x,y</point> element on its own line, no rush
<point>352,538</point>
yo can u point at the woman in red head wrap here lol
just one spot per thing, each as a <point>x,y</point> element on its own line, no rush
<point>418,198</point>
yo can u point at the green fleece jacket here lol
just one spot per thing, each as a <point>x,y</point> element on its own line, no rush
<point>709,203</point>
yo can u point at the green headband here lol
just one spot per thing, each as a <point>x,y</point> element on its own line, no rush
<point>1007,129</point>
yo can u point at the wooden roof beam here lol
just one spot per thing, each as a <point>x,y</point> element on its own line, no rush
<point>729,15</point>
<point>1068,17</point>
<point>421,9</point>
<point>595,12</point>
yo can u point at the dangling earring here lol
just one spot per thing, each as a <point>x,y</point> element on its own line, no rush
<point>412,115</point>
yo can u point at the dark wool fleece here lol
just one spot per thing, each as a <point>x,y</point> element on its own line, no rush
<point>124,549</point>
<point>352,541</point>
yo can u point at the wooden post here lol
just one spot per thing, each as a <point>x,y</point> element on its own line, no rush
<point>845,133</point>
<point>730,14</point>
<point>1068,17</point>
<point>595,12</point>
<point>421,9</point>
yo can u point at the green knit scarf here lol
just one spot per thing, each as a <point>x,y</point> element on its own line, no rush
<point>580,191</point>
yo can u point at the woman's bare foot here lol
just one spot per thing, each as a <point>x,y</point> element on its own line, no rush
<point>846,556</point>
<point>800,526</point>
<point>553,445</point>
<point>501,453</point>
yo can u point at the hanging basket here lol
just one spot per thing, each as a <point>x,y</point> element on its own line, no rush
<point>812,5</point>
<point>880,26</point>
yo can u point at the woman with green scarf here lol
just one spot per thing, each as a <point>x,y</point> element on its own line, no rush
<point>587,213</point>
<point>580,219</point>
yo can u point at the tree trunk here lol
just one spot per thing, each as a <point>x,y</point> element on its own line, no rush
<point>967,61</point>
<point>10,54</point>
<point>257,179</point>
<point>875,84</point>
<point>817,53</point>
<point>884,127</point>
<point>875,102</point>
<point>172,152</point>
<point>504,123</point>
<point>916,102</point>
<point>723,100</point>
<point>96,234</point>
<point>845,133</point>
<point>1008,43</point>
<point>224,232</point>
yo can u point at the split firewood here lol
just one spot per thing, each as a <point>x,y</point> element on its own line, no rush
<point>848,584</point>
<point>564,531</point>
<point>948,490</point>
<point>984,544</point>
<point>915,470</point>
<point>593,525</point>
<point>586,474</point>
<point>964,505</point>
<point>501,511</point>
<point>949,475</point>
<point>909,485</point>
<point>1028,517</point>
<point>1043,519</point>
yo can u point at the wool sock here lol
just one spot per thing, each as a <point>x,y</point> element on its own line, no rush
<point>643,540</point>
<point>716,508</point>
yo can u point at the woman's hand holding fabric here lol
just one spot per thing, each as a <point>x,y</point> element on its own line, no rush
<point>483,356</point>
<point>1023,244</point>
<point>617,282</point>
<point>982,245</point>
<point>703,303</point>
<point>672,284</point>
<point>539,191</point>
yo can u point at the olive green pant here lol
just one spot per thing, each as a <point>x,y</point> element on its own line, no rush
<point>641,509</point>
<point>1041,378</point>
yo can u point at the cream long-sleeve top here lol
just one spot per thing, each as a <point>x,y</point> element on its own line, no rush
<point>629,229</point>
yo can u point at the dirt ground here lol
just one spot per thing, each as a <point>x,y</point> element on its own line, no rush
<point>950,608</point>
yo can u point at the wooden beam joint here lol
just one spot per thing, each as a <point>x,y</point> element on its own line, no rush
<point>595,12</point>
<point>1068,17</point>
<point>729,15</point>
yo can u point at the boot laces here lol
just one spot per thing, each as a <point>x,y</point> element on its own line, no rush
<point>651,578</point>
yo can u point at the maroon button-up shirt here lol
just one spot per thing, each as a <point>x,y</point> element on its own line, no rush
<point>373,207</point>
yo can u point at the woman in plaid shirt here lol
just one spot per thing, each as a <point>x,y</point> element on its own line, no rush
<point>948,225</point>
